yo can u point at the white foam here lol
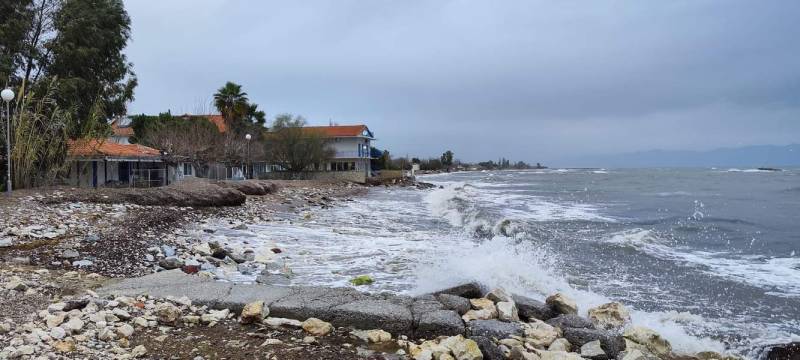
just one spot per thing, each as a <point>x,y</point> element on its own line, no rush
<point>768,273</point>
<point>527,270</point>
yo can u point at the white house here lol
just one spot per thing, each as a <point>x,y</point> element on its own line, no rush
<point>351,145</point>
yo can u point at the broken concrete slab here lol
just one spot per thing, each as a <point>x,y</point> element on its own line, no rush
<point>341,306</point>
<point>240,295</point>
<point>375,314</point>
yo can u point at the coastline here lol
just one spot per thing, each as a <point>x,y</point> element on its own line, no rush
<point>171,224</point>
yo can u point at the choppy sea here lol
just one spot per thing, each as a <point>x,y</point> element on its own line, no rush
<point>710,258</point>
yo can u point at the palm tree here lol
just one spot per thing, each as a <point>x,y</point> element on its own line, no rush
<point>231,101</point>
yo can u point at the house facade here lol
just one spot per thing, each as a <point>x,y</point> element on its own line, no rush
<point>351,146</point>
<point>102,162</point>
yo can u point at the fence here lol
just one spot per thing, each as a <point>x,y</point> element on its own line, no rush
<point>147,177</point>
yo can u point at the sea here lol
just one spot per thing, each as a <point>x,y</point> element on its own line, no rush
<point>709,258</point>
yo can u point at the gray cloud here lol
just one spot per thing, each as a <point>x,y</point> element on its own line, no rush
<point>530,80</point>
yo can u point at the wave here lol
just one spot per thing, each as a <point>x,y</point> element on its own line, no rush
<point>769,273</point>
<point>528,270</point>
<point>473,208</point>
<point>749,170</point>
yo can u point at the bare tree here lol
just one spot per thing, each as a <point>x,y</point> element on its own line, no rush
<point>295,148</point>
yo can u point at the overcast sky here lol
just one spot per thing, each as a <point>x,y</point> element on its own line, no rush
<point>528,80</point>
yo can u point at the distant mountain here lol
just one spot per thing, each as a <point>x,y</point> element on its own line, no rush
<point>747,156</point>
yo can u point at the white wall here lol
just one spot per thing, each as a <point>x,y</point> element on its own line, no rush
<point>348,147</point>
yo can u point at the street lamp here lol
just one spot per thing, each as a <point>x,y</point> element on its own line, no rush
<point>8,95</point>
<point>250,171</point>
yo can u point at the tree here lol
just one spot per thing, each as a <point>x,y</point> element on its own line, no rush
<point>447,158</point>
<point>15,18</point>
<point>255,116</point>
<point>294,148</point>
<point>93,74</point>
<point>231,102</point>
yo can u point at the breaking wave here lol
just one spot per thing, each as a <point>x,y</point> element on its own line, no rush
<point>768,273</point>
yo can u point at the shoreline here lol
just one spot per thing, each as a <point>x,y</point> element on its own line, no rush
<point>165,224</point>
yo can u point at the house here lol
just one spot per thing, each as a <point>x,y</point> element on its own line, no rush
<point>103,162</point>
<point>351,146</point>
<point>122,131</point>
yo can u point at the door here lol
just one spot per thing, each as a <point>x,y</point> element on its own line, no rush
<point>124,171</point>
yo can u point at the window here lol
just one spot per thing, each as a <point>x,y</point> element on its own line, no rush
<point>343,166</point>
<point>188,170</point>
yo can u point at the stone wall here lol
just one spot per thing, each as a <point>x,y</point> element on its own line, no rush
<point>354,176</point>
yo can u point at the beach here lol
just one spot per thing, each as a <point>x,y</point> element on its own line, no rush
<point>410,241</point>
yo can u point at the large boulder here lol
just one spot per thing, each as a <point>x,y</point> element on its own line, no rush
<point>499,295</point>
<point>533,309</point>
<point>790,351</point>
<point>609,316</point>
<point>593,350</point>
<point>468,290</point>
<point>438,323</point>
<point>494,329</point>
<point>570,321</point>
<point>540,334</point>
<point>562,303</point>
<point>463,349</point>
<point>489,350</point>
<point>454,302</point>
<point>507,311</point>
<point>650,339</point>
<point>612,343</point>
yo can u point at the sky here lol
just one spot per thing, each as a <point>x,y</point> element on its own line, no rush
<point>538,81</point>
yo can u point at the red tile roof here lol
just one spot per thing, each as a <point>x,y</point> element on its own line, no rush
<point>100,147</point>
<point>339,130</point>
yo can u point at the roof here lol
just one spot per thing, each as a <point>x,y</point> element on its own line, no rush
<point>341,130</point>
<point>121,127</point>
<point>219,121</point>
<point>88,148</point>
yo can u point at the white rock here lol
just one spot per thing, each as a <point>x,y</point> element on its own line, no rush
<point>540,334</point>
<point>562,303</point>
<point>125,330</point>
<point>560,345</point>
<point>592,350</point>
<point>507,311</point>
<point>139,351</point>
<point>649,339</point>
<point>74,325</point>
<point>317,327</point>
<point>499,295</point>
<point>58,333</point>
<point>277,322</point>
<point>271,342</point>
<point>378,336</point>
<point>463,349</point>
<point>609,316</point>
<point>55,320</point>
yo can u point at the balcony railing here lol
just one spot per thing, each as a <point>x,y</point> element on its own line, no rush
<point>350,155</point>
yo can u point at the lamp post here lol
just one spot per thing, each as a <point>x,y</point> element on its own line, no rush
<point>249,166</point>
<point>8,95</point>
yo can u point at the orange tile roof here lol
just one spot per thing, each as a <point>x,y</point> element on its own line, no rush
<point>217,120</point>
<point>101,147</point>
<point>339,130</point>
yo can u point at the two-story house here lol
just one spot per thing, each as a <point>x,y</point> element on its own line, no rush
<point>351,146</point>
